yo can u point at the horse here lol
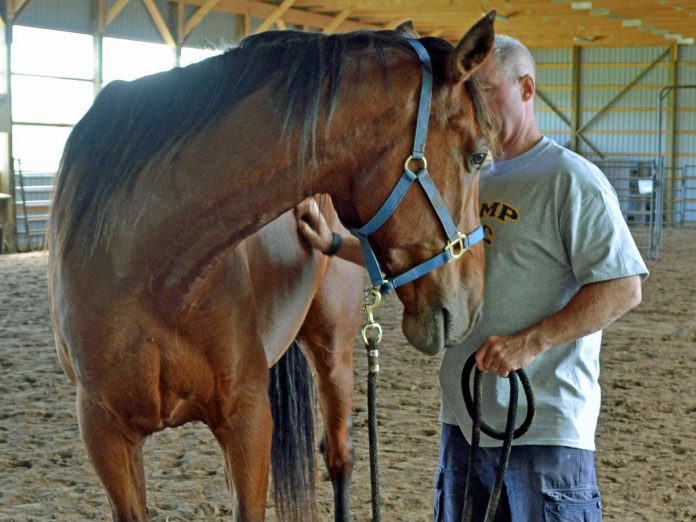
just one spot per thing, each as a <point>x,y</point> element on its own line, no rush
<point>157,317</point>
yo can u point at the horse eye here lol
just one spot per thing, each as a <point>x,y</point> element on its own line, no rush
<point>477,158</point>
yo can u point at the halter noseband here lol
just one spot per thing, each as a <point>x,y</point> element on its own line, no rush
<point>458,243</point>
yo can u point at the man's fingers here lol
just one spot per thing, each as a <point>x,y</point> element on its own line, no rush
<point>489,358</point>
<point>310,234</point>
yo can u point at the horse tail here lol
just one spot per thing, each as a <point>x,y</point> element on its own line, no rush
<point>291,392</point>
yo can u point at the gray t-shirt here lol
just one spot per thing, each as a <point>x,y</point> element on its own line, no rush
<point>553,224</point>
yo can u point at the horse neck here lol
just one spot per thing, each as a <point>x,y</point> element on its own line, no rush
<point>238,175</point>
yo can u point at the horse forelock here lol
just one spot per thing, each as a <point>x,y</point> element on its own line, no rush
<point>488,121</point>
<point>132,123</point>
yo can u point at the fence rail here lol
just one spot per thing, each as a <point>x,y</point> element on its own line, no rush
<point>33,192</point>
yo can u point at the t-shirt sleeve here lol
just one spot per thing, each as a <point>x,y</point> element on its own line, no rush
<point>597,240</point>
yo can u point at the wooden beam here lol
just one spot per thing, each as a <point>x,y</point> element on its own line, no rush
<point>161,25</point>
<point>247,24</point>
<point>18,6</point>
<point>337,21</point>
<point>625,90</point>
<point>98,17</point>
<point>671,138</point>
<point>177,19</point>
<point>390,26</point>
<point>114,10</point>
<point>196,17</point>
<point>298,17</point>
<point>281,25</point>
<point>565,120</point>
<point>275,15</point>
<point>575,98</point>
<point>176,23</point>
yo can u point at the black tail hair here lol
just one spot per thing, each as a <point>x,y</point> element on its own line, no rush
<point>291,391</point>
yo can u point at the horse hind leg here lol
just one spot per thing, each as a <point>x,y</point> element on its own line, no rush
<point>334,366</point>
<point>117,458</point>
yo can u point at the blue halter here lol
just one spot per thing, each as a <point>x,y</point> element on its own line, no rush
<point>458,243</point>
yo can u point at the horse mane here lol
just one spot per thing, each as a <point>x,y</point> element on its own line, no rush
<point>130,123</point>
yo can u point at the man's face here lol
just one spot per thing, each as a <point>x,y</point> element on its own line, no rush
<point>504,95</point>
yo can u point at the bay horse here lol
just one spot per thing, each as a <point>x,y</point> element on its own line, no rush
<point>157,318</point>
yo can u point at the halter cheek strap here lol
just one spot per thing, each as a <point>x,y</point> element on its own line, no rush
<point>458,243</point>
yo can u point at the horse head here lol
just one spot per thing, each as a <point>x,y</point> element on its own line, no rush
<point>442,306</point>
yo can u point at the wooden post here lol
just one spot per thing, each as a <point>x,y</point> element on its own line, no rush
<point>98,19</point>
<point>671,138</point>
<point>7,183</point>
<point>575,98</point>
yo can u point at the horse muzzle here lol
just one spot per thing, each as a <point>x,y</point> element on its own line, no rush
<point>437,328</point>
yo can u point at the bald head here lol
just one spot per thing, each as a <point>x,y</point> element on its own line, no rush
<point>513,57</point>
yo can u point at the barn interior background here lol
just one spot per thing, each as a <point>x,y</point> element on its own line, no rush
<point>617,81</point>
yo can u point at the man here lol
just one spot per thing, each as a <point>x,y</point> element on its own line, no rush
<point>560,266</point>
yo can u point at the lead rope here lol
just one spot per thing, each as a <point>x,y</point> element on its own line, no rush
<point>372,336</point>
<point>510,433</point>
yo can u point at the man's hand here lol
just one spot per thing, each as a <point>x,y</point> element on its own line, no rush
<point>594,307</point>
<point>504,354</point>
<point>312,224</point>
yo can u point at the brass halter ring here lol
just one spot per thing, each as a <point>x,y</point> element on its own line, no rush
<point>423,161</point>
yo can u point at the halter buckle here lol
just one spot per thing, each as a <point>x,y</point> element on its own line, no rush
<point>458,247</point>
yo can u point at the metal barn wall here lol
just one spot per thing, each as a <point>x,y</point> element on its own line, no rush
<point>571,97</point>
<point>617,110</point>
<point>63,15</point>
<point>686,124</point>
<point>217,30</point>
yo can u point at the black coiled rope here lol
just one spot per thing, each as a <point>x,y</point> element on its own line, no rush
<point>473,406</point>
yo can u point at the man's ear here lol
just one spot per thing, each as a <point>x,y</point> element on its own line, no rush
<point>472,49</point>
<point>528,87</point>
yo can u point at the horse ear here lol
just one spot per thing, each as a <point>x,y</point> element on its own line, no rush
<point>472,49</point>
<point>408,28</point>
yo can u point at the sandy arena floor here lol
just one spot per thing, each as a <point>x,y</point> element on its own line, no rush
<point>646,439</point>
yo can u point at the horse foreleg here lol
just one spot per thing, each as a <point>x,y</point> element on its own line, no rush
<point>245,439</point>
<point>117,458</point>
<point>333,361</point>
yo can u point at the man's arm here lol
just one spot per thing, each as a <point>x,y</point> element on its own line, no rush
<point>594,307</point>
<point>313,226</point>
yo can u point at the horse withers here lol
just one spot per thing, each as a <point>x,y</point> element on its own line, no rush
<point>157,317</point>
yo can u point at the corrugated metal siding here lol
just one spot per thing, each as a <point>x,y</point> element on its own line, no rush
<point>686,141</point>
<point>64,15</point>
<point>621,76</point>
<point>604,73</point>
<point>554,83</point>
<point>216,31</point>
<point>630,54</point>
<point>619,132</point>
<point>551,56</point>
<point>688,52</point>
<point>687,74</point>
<point>635,121</point>
<point>135,23</point>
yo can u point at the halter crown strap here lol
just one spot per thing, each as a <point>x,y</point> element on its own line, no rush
<point>425,98</point>
<point>458,243</point>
